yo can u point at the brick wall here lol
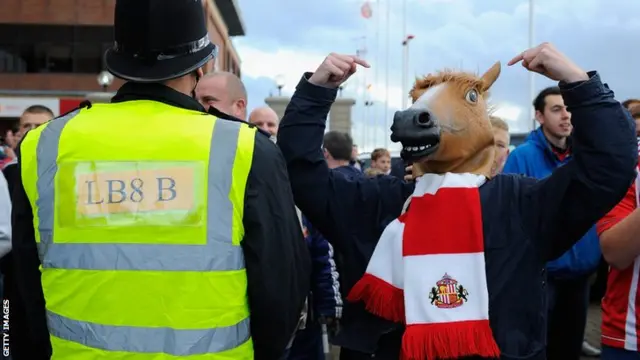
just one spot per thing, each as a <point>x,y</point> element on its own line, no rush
<point>56,82</point>
<point>219,34</point>
<point>68,12</point>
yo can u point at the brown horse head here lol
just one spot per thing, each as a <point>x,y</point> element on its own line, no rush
<point>447,128</point>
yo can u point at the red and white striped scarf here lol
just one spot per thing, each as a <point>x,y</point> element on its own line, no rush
<point>428,272</point>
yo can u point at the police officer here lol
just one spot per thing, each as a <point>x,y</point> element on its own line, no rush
<point>162,231</point>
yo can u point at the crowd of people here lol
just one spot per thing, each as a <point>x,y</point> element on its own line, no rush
<point>268,238</point>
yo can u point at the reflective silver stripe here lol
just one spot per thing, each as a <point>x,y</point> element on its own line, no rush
<point>47,167</point>
<point>149,340</point>
<point>218,254</point>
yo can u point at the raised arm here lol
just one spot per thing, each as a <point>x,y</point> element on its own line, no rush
<point>559,210</point>
<point>328,199</point>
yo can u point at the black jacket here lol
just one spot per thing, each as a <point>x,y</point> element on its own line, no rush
<point>526,222</point>
<point>277,260</point>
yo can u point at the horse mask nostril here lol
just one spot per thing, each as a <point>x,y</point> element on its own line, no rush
<point>423,119</point>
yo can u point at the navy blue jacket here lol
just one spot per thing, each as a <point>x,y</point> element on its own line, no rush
<point>527,222</point>
<point>535,158</point>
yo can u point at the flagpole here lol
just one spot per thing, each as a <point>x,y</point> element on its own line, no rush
<point>405,55</point>
<point>366,107</point>
<point>361,85</point>
<point>405,65</point>
<point>365,136</point>
<point>532,86</point>
<point>386,73</point>
<point>376,80</point>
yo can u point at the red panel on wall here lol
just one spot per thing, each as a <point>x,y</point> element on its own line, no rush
<point>67,105</point>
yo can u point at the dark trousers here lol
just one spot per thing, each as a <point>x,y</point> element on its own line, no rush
<point>388,349</point>
<point>599,287</point>
<point>611,353</point>
<point>308,343</point>
<point>568,302</point>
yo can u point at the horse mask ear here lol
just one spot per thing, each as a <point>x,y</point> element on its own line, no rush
<point>489,77</point>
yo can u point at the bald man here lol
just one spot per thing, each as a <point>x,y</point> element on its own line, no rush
<point>266,119</point>
<point>224,91</point>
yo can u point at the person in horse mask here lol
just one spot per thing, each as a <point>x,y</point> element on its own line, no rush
<point>451,266</point>
<point>175,238</point>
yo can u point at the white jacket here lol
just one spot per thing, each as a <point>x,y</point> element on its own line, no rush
<point>5,218</point>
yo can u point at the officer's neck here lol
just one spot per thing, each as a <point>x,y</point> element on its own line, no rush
<point>183,84</point>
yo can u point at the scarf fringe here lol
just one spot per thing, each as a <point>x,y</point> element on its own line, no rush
<point>380,298</point>
<point>449,341</point>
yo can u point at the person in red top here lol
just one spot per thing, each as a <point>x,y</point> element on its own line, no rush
<point>619,232</point>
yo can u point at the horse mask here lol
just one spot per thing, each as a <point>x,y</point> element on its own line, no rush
<point>447,128</point>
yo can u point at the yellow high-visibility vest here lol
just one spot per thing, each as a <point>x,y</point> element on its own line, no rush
<point>138,210</point>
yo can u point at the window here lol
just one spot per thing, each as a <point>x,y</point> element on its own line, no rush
<point>57,58</point>
<point>10,63</point>
<point>53,49</point>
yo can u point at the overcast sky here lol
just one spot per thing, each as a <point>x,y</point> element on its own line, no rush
<point>288,37</point>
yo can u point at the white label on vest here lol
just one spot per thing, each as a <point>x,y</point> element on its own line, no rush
<point>108,188</point>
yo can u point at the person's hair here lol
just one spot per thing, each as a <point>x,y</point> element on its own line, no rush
<point>498,123</point>
<point>38,109</point>
<point>634,109</point>
<point>373,172</point>
<point>338,144</point>
<point>629,102</point>
<point>378,153</point>
<point>235,87</point>
<point>541,100</point>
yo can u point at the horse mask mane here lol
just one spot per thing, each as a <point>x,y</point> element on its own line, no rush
<point>447,128</point>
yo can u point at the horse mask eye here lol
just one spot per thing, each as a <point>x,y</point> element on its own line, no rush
<point>472,96</point>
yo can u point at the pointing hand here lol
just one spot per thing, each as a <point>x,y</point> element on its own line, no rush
<point>336,69</point>
<point>545,59</point>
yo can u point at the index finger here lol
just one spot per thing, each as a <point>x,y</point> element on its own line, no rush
<point>361,62</point>
<point>516,59</point>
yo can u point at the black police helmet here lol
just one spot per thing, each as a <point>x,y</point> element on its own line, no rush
<point>158,40</point>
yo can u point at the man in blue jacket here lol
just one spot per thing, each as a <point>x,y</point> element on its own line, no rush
<point>533,221</point>
<point>545,150</point>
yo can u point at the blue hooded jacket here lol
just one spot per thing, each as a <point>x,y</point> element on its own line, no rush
<point>535,158</point>
<point>325,285</point>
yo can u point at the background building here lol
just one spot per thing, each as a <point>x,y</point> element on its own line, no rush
<point>51,51</point>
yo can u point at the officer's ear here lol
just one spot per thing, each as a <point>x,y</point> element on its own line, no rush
<point>200,73</point>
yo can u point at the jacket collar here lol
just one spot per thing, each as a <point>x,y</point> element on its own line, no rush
<point>348,170</point>
<point>156,92</point>
<point>538,138</point>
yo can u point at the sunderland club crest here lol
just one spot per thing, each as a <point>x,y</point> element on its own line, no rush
<point>448,293</point>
